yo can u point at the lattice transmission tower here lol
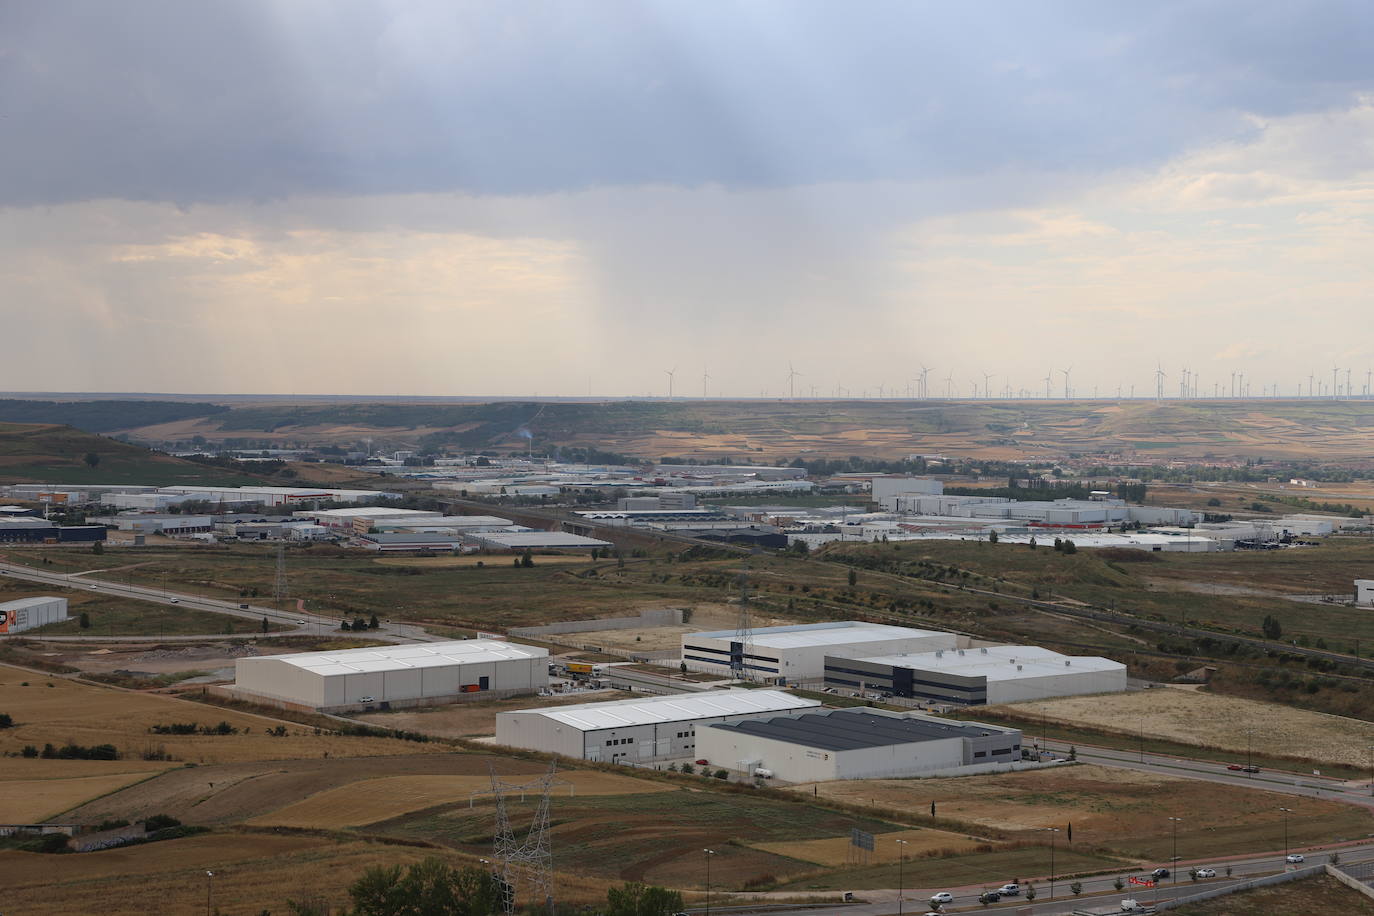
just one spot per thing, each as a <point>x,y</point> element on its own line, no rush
<point>524,864</point>
<point>744,632</point>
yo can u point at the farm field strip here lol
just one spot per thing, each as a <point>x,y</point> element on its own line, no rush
<point>372,800</point>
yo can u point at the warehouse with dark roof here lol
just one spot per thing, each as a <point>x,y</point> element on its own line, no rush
<point>855,743</point>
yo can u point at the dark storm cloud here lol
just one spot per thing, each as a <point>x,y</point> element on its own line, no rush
<point>193,102</point>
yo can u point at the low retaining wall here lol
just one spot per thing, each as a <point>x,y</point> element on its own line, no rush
<point>1349,880</point>
<point>1309,871</point>
<point>657,617</point>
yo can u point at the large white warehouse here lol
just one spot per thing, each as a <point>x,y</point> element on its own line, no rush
<point>27,613</point>
<point>996,674</point>
<point>410,675</point>
<point>652,728</point>
<point>857,743</point>
<point>798,653</point>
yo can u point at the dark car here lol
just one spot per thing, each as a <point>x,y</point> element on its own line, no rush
<point>1160,873</point>
<point>989,897</point>
<point>1250,769</point>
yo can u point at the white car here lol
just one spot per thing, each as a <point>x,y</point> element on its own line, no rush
<point>942,898</point>
<point>176,601</point>
<point>366,700</point>
<point>1009,890</point>
<point>1293,858</point>
<point>1206,872</point>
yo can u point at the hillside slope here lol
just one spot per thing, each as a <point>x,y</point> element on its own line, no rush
<point>47,453</point>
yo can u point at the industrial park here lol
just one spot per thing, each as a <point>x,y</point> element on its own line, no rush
<point>652,458</point>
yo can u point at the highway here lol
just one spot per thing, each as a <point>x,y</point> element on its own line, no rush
<point>1096,892</point>
<point>299,622</point>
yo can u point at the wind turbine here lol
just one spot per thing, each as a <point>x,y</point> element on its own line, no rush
<point>670,373</point>
<point>949,385</point>
<point>791,382</point>
<point>1335,391</point>
<point>1159,382</point>
<point>1049,377</point>
<point>973,382</point>
<point>1066,381</point>
<point>705,379</point>
<point>987,388</point>
<point>925,389</point>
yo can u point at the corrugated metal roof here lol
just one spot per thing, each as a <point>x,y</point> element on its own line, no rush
<point>676,708</point>
<point>999,663</point>
<point>417,655</point>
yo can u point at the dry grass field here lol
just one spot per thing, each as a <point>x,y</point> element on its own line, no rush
<point>1318,895</point>
<point>231,793</point>
<point>1200,718</point>
<point>837,851</point>
<point>472,560</point>
<point>54,710</point>
<point>373,800</point>
<point>1119,810</point>
<point>34,801</point>
<point>254,872</point>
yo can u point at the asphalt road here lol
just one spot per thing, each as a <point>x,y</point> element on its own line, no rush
<point>314,624</point>
<point>1097,892</point>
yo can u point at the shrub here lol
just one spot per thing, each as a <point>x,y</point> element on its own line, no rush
<point>112,825</point>
<point>722,774</point>
<point>6,720</point>
<point>160,822</point>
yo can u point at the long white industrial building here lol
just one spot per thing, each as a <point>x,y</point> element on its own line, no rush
<point>857,743</point>
<point>798,653</point>
<point>27,613</point>
<point>408,675</point>
<point>996,674</point>
<point>652,728</point>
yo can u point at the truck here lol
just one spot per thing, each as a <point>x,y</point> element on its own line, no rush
<point>584,669</point>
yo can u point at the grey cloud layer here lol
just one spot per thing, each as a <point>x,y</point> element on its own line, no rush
<point>193,102</point>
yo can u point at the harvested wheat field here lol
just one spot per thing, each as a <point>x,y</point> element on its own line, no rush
<point>1206,719</point>
<point>475,560</point>
<point>232,793</point>
<point>58,711</point>
<point>837,851</point>
<point>373,800</point>
<point>1122,810</point>
<point>253,872</point>
<point>33,801</point>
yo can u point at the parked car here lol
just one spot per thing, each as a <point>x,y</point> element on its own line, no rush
<point>989,897</point>
<point>1206,872</point>
<point>703,762</point>
<point>1009,890</point>
<point>366,700</point>
<point>1293,858</point>
<point>1160,873</point>
<point>942,898</point>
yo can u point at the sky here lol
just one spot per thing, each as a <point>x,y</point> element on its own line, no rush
<point>563,198</point>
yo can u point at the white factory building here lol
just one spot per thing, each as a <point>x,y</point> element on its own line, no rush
<point>886,490</point>
<point>856,743</point>
<point>409,675</point>
<point>366,515</point>
<point>1364,592</point>
<point>651,728</point>
<point>27,613</point>
<point>966,677</point>
<point>281,496</point>
<point>798,653</point>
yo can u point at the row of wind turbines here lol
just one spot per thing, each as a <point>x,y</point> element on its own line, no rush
<point>1189,387</point>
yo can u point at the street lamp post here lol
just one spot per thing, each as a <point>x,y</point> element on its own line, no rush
<point>209,883</point>
<point>901,862</point>
<point>1053,831</point>
<point>709,853</point>
<point>1286,812</point>
<point>1371,769</point>
<point>1173,860</point>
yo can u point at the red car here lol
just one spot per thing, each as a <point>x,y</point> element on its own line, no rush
<point>702,763</point>
<point>1234,766</point>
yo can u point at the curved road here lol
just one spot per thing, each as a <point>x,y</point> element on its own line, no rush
<point>312,625</point>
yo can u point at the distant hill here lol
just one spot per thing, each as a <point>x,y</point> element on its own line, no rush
<point>103,416</point>
<point>769,431</point>
<point>48,453</point>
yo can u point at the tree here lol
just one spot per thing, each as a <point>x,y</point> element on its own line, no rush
<point>345,625</point>
<point>527,559</point>
<point>265,625</point>
<point>635,899</point>
<point>91,459</point>
<point>1119,883</point>
<point>374,623</point>
<point>98,547</point>
<point>1272,628</point>
<point>853,578</point>
<point>85,621</point>
<point>1030,892</point>
<point>1070,546</point>
<point>428,888</point>
<point>992,537</point>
